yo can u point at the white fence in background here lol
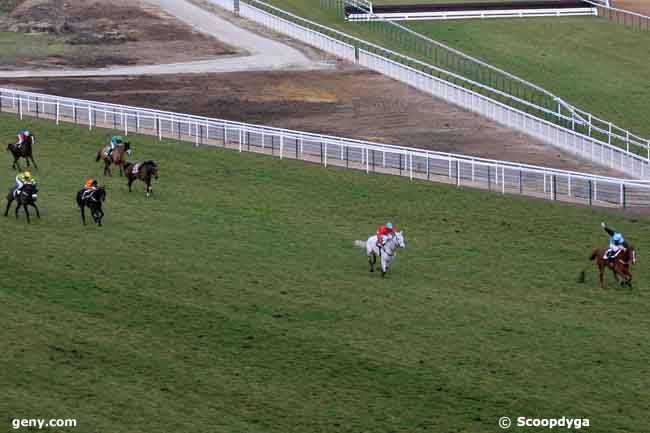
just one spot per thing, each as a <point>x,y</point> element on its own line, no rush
<point>607,154</point>
<point>571,141</point>
<point>473,14</point>
<point>498,176</point>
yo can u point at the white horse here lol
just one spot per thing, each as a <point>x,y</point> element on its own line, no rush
<point>386,253</point>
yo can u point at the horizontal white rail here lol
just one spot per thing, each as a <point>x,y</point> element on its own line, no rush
<point>590,125</point>
<point>493,175</point>
<point>474,14</point>
<point>604,154</point>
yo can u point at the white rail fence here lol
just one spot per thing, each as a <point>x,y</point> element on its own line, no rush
<point>498,176</point>
<point>569,140</point>
<point>552,107</point>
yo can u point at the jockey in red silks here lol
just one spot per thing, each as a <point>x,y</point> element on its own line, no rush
<point>384,231</point>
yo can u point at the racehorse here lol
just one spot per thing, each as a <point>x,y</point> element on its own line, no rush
<point>93,200</point>
<point>386,253</point>
<point>620,265</point>
<point>144,171</point>
<point>24,151</point>
<point>117,157</point>
<point>26,197</point>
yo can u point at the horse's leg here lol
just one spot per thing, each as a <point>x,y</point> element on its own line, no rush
<point>17,207</point>
<point>9,201</point>
<point>107,168</point>
<point>371,261</point>
<point>148,187</point>
<point>26,213</point>
<point>38,214</point>
<point>121,169</point>
<point>130,183</point>
<point>101,216</point>
<point>34,162</point>
<point>83,214</point>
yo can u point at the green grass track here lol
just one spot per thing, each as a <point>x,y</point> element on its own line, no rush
<point>233,300</point>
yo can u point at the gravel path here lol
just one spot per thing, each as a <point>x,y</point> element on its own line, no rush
<point>261,54</point>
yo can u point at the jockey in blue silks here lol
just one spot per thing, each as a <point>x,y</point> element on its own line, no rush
<point>616,242</point>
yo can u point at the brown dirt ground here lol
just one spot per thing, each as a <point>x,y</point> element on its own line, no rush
<point>347,101</point>
<point>120,32</point>
<point>638,6</point>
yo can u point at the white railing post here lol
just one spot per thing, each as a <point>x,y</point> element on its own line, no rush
<point>240,140</point>
<point>126,124</point>
<point>57,112</point>
<point>90,117</point>
<point>367,162</point>
<point>325,155</point>
<point>281,146</point>
<point>411,165</point>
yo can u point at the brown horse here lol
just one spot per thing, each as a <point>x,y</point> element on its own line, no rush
<point>620,265</point>
<point>144,171</point>
<point>117,157</point>
<point>24,151</point>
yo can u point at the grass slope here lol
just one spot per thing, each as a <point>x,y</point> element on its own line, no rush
<point>234,301</point>
<point>594,64</point>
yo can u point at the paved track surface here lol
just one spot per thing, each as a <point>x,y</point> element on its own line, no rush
<point>260,53</point>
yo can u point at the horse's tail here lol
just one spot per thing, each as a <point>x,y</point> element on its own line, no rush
<point>594,254</point>
<point>360,244</point>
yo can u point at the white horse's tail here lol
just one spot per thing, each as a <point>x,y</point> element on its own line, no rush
<point>360,244</point>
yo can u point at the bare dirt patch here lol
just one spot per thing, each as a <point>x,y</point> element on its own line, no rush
<point>348,102</point>
<point>638,6</point>
<point>99,33</point>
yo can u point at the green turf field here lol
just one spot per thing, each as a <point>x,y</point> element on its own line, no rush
<point>594,64</point>
<point>234,301</point>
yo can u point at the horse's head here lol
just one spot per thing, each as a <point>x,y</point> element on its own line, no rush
<point>29,191</point>
<point>631,254</point>
<point>127,148</point>
<point>10,146</point>
<point>101,191</point>
<point>399,238</point>
<point>153,168</point>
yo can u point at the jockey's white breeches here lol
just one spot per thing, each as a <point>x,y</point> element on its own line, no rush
<point>615,248</point>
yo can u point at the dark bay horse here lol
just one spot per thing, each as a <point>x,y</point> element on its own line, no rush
<point>26,197</point>
<point>117,157</point>
<point>620,265</point>
<point>24,151</point>
<point>93,200</point>
<point>144,171</point>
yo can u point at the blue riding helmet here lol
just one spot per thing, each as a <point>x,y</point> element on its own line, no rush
<point>389,226</point>
<point>617,239</point>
